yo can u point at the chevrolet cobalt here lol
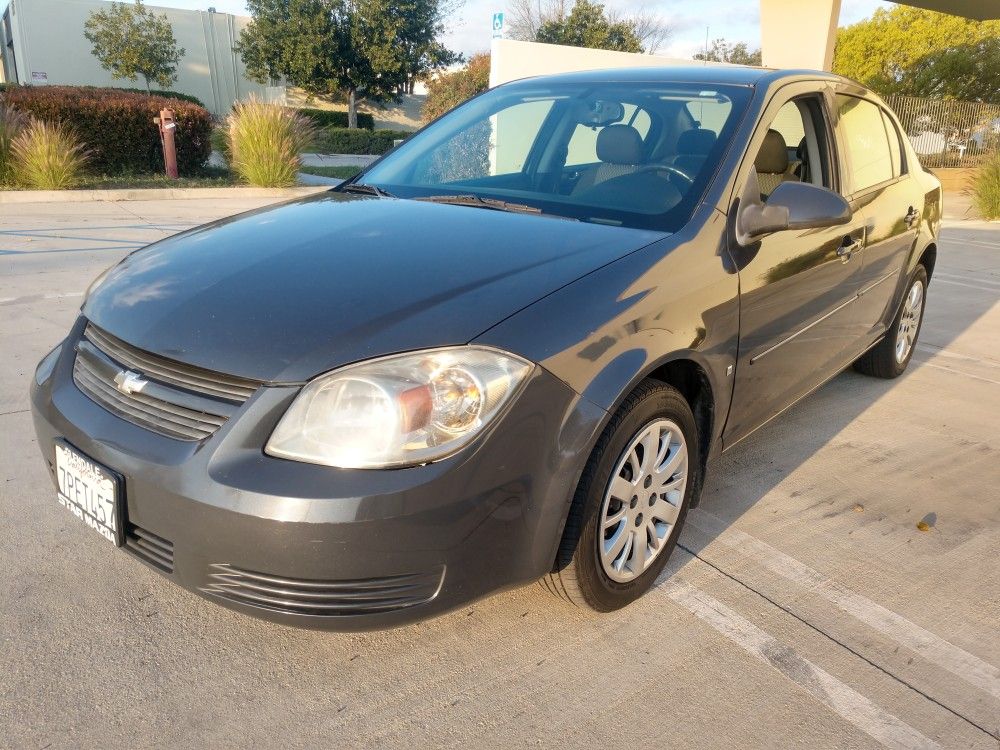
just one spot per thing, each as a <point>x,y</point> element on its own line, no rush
<point>508,350</point>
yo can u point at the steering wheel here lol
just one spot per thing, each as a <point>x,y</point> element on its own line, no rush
<point>670,169</point>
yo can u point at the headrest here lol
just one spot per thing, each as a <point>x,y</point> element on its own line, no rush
<point>697,142</point>
<point>619,144</point>
<point>773,156</point>
<point>800,152</point>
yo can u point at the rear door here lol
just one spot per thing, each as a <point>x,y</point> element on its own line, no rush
<point>796,286</point>
<point>878,185</point>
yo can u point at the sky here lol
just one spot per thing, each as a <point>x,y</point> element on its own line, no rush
<point>469,29</point>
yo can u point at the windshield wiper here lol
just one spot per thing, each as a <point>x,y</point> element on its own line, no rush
<point>477,202</point>
<point>365,189</point>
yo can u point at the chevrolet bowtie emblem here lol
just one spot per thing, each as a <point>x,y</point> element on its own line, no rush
<point>129,382</point>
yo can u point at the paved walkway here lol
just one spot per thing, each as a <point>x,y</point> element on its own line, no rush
<point>803,608</point>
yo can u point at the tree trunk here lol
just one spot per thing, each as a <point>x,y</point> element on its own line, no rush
<point>352,108</point>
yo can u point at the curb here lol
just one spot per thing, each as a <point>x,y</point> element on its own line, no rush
<point>152,194</point>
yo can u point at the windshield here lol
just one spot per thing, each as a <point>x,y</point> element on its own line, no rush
<point>626,154</point>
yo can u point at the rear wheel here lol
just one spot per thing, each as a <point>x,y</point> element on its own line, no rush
<point>889,358</point>
<point>631,501</point>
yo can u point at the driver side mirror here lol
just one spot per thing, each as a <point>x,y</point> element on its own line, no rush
<point>792,205</point>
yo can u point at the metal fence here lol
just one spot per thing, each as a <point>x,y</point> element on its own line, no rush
<point>949,133</point>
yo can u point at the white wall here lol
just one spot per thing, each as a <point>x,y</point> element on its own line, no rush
<point>48,38</point>
<point>511,60</point>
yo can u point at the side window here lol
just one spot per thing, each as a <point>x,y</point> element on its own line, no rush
<point>895,149</point>
<point>794,147</point>
<point>582,146</point>
<point>869,158</point>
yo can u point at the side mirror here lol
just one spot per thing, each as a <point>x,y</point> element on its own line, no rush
<point>792,205</point>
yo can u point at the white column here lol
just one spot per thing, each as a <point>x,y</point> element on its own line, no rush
<point>798,33</point>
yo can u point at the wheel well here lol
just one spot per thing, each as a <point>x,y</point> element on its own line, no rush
<point>690,379</point>
<point>929,258</point>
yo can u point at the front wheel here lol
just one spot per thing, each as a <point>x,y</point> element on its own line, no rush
<point>889,358</point>
<point>631,501</point>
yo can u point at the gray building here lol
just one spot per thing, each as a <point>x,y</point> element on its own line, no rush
<point>43,44</point>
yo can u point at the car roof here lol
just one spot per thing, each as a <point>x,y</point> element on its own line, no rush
<point>737,75</point>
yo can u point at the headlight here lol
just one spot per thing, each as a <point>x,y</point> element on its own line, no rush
<point>402,410</point>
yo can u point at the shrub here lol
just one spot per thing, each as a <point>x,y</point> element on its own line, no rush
<point>48,156</point>
<point>162,94</point>
<point>118,125</point>
<point>448,90</point>
<point>12,123</point>
<point>266,142</point>
<point>358,141</point>
<point>985,188</point>
<point>325,118</point>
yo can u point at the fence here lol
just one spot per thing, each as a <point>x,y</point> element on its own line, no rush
<point>949,133</point>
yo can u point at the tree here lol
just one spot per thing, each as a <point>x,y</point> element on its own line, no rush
<point>351,49</point>
<point>916,52</point>
<point>423,23</point>
<point>448,90</point>
<point>737,54</point>
<point>131,41</point>
<point>586,24</point>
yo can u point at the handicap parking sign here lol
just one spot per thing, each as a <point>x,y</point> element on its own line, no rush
<point>497,25</point>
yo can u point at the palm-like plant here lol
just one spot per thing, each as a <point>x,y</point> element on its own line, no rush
<point>266,142</point>
<point>47,156</point>
<point>12,123</point>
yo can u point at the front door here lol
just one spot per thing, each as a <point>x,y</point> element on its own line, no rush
<point>796,287</point>
<point>891,202</point>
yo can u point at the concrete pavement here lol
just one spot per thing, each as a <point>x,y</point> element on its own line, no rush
<point>804,607</point>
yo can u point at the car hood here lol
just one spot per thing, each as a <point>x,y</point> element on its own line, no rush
<point>284,293</point>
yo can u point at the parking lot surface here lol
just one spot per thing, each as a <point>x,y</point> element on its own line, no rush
<point>838,587</point>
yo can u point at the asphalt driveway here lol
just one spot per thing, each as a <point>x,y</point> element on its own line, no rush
<point>838,587</point>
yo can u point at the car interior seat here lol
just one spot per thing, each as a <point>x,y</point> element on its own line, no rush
<point>772,163</point>
<point>620,149</point>
<point>693,147</point>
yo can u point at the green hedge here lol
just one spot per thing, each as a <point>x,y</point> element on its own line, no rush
<point>325,118</point>
<point>116,125</point>
<point>154,92</point>
<point>357,141</point>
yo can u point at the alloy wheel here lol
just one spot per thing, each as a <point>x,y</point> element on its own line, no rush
<point>909,321</point>
<point>643,500</point>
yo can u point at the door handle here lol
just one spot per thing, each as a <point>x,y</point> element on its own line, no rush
<point>911,216</point>
<point>847,248</point>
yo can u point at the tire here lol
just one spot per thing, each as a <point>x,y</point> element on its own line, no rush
<point>889,358</point>
<point>581,574</point>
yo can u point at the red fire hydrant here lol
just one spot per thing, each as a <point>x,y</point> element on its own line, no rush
<point>167,127</point>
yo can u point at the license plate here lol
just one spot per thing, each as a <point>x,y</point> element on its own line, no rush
<point>90,492</point>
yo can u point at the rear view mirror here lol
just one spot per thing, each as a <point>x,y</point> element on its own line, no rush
<point>792,205</point>
<point>598,113</point>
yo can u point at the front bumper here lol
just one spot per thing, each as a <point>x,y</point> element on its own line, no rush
<point>328,548</point>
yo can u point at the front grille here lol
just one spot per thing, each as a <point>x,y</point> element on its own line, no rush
<point>324,598</point>
<point>195,379</point>
<point>147,546</point>
<point>179,401</point>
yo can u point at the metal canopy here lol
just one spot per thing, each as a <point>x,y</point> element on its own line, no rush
<point>981,10</point>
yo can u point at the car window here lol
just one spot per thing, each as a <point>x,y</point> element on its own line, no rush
<point>514,142</point>
<point>496,146</point>
<point>709,114</point>
<point>794,147</point>
<point>789,123</point>
<point>895,149</point>
<point>869,159</point>
<point>582,147</point>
